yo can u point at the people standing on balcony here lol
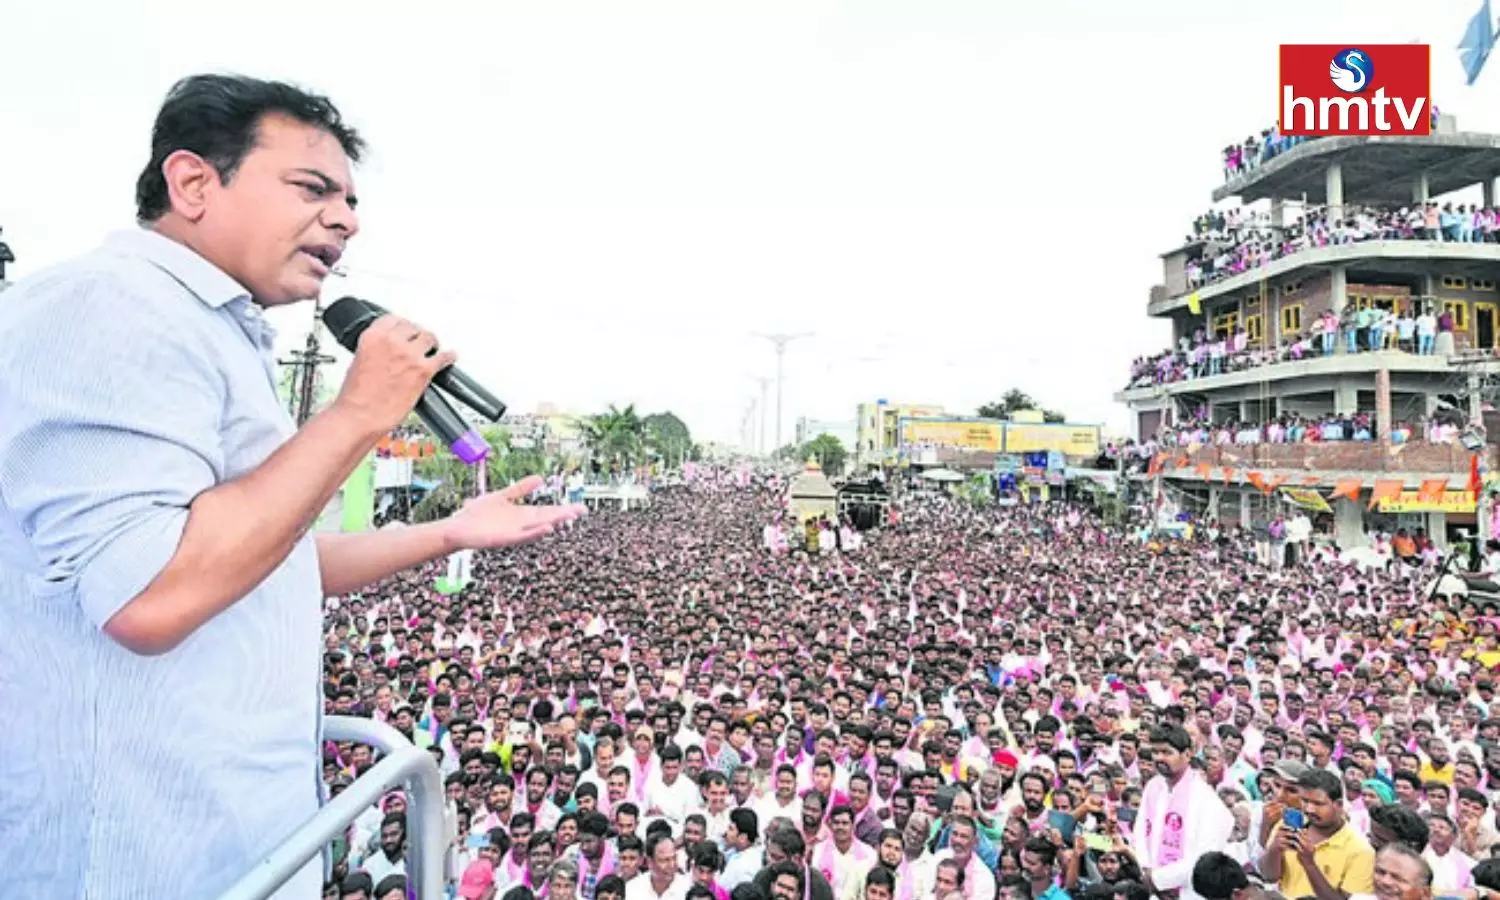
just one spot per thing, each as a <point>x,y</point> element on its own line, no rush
<point>1406,331</point>
<point>1427,325</point>
<point>1349,322</point>
<point>1444,344</point>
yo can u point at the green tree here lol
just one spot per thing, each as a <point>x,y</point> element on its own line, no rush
<point>667,437</point>
<point>1012,402</point>
<point>828,451</point>
<point>616,436</point>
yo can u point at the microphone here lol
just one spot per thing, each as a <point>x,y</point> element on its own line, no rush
<point>348,317</point>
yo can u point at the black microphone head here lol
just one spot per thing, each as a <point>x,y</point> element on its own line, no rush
<point>348,317</point>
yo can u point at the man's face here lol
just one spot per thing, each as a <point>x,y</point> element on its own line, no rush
<point>392,836</point>
<point>291,197</point>
<point>785,888</point>
<point>1398,877</point>
<point>1320,809</point>
<point>946,881</point>
<point>664,860</point>
<point>962,840</point>
<point>718,796</point>
<point>630,864</point>
<point>540,857</point>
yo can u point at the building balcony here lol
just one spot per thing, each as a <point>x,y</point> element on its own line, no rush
<point>1367,460</point>
<point>1375,169</point>
<point>1392,258</point>
<point>1394,361</point>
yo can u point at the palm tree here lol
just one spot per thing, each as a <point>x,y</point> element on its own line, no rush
<point>616,436</point>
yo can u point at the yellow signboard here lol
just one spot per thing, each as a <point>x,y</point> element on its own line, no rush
<point>968,434</point>
<point>1069,440</point>
<point>1452,502</point>
<point>1307,498</point>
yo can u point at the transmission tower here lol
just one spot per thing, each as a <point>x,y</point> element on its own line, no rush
<point>304,365</point>
<point>779,341</point>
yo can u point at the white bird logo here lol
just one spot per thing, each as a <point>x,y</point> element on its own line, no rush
<point>1350,80</point>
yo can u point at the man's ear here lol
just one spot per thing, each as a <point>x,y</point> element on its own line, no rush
<point>189,178</point>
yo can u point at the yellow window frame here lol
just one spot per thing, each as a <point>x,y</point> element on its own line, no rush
<point>1253,328</point>
<point>1455,282</point>
<point>1291,319</point>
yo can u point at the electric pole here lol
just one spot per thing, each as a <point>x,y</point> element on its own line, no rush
<point>780,341</point>
<point>765,385</point>
<point>304,365</point>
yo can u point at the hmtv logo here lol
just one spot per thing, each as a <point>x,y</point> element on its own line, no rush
<point>1369,89</point>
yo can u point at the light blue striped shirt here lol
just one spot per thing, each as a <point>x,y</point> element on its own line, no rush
<point>132,380</point>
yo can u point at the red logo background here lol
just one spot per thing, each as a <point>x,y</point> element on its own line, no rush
<point>1404,70</point>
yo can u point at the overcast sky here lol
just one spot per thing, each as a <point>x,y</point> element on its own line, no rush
<point>604,202</point>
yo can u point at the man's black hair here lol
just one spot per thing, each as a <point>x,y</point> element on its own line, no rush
<point>1216,876</point>
<point>218,118</point>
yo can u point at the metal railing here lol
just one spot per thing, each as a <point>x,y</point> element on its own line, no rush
<point>404,765</point>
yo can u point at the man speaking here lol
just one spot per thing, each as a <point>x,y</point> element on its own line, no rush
<point>159,587</point>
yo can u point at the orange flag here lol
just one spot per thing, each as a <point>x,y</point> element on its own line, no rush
<point>1432,490</point>
<point>1258,481</point>
<point>1385,489</point>
<point>398,448</point>
<point>1227,473</point>
<point>1310,481</point>
<point>431,447</point>
<point>383,445</point>
<point>1202,470</point>
<point>1155,465</point>
<point>1275,482</point>
<point>1346,487</point>
<point>1182,462</point>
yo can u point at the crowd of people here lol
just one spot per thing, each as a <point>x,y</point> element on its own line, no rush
<point>1257,150</point>
<point>983,702</point>
<point>1406,326</point>
<point>1240,240</point>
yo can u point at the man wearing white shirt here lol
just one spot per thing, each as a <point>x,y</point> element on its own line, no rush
<point>661,880</point>
<point>745,859</point>
<point>1166,843</point>
<point>784,802</point>
<point>963,837</point>
<point>669,794</point>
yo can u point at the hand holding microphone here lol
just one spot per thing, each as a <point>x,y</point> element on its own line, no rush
<point>403,368</point>
<point>393,364</point>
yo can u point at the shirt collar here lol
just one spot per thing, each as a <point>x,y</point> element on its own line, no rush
<point>202,278</point>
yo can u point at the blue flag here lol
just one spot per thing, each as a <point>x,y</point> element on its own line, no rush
<point>1478,40</point>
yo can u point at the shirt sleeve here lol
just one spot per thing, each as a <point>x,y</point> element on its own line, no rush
<point>109,428</point>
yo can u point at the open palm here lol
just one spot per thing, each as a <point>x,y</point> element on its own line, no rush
<point>498,520</point>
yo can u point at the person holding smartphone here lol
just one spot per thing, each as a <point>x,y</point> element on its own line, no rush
<point>1314,851</point>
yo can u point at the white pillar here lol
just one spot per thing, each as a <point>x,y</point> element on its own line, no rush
<point>1346,397</point>
<point>1437,529</point>
<point>1338,291</point>
<point>1335,189</point>
<point>1419,188</point>
<point>1349,523</point>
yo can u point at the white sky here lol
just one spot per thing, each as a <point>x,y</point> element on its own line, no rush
<point>602,202</point>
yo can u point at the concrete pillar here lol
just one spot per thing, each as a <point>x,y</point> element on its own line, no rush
<point>1383,404</point>
<point>1489,193</point>
<point>1437,529</point>
<point>1211,511</point>
<point>1429,405</point>
<point>1337,292</point>
<point>1244,410</point>
<point>1476,401</point>
<point>1419,188</point>
<point>1349,524</point>
<point>1346,397</point>
<point>1245,512</point>
<point>1335,179</point>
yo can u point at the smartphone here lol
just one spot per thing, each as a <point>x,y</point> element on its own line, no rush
<point>1293,819</point>
<point>1125,815</point>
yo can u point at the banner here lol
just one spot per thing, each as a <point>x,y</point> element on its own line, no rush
<point>1411,502</point>
<point>359,497</point>
<point>1069,440</point>
<point>1307,499</point>
<point>968,434</point>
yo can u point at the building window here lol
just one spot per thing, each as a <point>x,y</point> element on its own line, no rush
<point>1456,282</point>
<point>1291,287</point>
<point>1253,329</point>
<point>1358,301</point>
<point>1225,325</point>
<point>1459,310</point>
<point>1291,319</point>
<point>1482,284</point>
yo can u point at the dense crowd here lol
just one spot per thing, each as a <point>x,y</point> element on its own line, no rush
<point>1259,149</point>
<point>1238,240</point>
<point>1408,327</point>
<point>973,703</point>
